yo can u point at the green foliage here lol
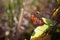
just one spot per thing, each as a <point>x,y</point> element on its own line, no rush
<point>38,32</point>
<point>48,22</point>
<point>10,5</point>
<point>19,5</point>
<point>10,13</point>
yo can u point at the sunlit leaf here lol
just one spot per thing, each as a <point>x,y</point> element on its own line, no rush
<point>56,12</point>
<point>39,31</point>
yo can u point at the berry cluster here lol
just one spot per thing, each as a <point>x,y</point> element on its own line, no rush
<point>34,19</point>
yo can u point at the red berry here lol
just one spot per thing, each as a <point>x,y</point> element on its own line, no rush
<point>39,22</point>
<point>33,18</point>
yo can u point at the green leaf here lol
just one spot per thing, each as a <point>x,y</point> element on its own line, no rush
<point>39,31</point>
<point>11,4</point>
<point>48,21</point>
<point>56,12</point>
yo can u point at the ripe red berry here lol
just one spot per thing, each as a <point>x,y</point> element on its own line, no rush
<point>39,22</point>
<point>33,18</point>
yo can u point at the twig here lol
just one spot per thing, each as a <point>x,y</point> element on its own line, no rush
<point>19,24</point>
<point>20,18</point>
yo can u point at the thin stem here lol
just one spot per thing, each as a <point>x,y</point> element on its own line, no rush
<point>20,19</point>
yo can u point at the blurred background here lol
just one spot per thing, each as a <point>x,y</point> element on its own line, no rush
<point>15,22</point>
